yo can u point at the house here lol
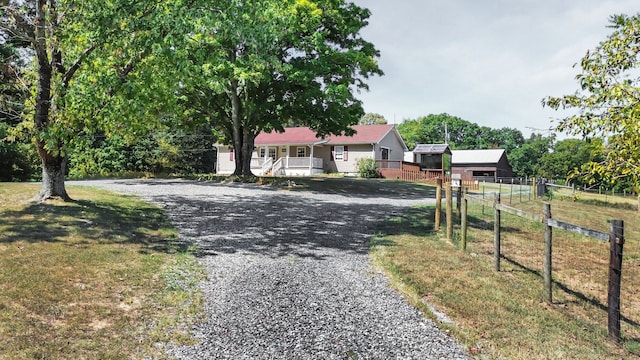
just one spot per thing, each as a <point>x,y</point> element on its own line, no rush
<point>489,165</point>
<point>299,151</point>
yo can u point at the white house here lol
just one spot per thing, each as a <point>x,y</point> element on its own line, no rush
<point>299,151</point>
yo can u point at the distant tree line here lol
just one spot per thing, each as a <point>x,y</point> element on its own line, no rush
<point>537,156</point>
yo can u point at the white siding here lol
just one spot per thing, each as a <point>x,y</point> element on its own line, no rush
<point>353,153</point>
<point>225,165</point>
<point>391,142</point>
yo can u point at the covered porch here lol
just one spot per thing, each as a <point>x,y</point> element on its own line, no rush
<point>288,160</point>
<point>287,166</point>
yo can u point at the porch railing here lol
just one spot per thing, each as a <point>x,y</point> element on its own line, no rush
<point>267,166</point>
<point>278,167</point>
<point>304,162</point>
<point>256,163</point>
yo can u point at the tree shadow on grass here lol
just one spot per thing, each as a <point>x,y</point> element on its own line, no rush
<point>82,222</point>
<point>416,221</point>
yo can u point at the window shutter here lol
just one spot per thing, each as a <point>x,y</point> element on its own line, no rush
<point>332,151</point>
<point>345,157</point>
<point>231,153</point>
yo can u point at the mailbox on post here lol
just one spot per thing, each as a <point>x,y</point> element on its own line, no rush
<point>456,180</point>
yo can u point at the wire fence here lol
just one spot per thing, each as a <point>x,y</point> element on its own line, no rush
<point>580,263</point>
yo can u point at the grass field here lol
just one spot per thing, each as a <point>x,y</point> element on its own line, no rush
<point>89,279</point>
<point>504,315</point>
<point>104,276</point>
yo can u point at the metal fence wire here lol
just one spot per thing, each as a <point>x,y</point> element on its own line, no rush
<point>580,264</point>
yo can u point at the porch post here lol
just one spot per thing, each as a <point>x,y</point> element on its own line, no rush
<point>311,161</point>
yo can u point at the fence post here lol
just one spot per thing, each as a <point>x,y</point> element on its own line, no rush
<point>459,200</point>
<point>463,221</point>
<point>449,210</point>
<point>496,231</point>
<point>483,200</point>
<point>520,189</point>
<point>534,188</point>
<point>511,192</point>
<point>616,239</point>
<point>548,251</point>
<point>438,203</point>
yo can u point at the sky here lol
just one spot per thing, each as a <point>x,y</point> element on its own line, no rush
<point>490,62</point>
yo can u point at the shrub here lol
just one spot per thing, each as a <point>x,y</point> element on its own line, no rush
<point>367,168</point>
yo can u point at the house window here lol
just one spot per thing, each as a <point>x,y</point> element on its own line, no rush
<point>338,153</point>
<point>301,151</point>
<point>385,153</point>
<point>272,153</point>
<point>262,152</point>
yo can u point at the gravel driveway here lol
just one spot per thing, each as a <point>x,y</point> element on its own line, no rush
<point>289,275</point>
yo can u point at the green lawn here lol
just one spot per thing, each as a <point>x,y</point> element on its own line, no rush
<point>101,277</point>
<point>504,315</point>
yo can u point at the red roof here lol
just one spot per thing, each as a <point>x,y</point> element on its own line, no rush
<point>365,134</point>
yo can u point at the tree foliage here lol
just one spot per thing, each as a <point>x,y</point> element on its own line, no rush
<point>98,66</point>
<point>12,92</point>
<point>172,149</point>
<point>458,133</point>
<point>15,159</point>
<point>262,64</point>
<point>372,119</point>
<point>570,159</point>
<point>525,160</point>
<point>608,102</point>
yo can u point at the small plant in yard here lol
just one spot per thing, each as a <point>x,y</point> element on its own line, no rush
<point>367,168</point>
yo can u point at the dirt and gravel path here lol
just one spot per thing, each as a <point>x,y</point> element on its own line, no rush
<point>289,275</point>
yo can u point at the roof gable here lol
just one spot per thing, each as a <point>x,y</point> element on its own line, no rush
<point>476,156</point>
<point>365,134</point>
<point>432,149</point>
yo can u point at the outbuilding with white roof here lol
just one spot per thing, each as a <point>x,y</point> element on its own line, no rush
<point>489,165</point>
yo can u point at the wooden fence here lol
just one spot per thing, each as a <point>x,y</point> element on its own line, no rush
<point>411,172</point>
<point>615,237</point>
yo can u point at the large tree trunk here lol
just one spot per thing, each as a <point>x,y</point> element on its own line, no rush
<point>243,151</point>
<point>53,175</point>
<point>242,143</point>
<point>54,165</point>
<point>247,152</point>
